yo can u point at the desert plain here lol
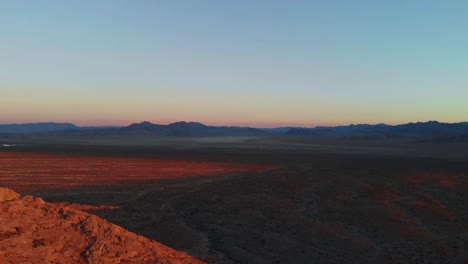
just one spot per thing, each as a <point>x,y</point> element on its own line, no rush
<point>261,200</point>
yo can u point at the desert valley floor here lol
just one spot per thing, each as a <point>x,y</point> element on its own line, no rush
<point>258,204</point>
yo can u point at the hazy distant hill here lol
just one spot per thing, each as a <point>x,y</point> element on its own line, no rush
<point>422,131</point>
<point>36,127</point>
<point>189,129</point>
<point>431,130</point>
<point>280,129</point>
<point>355,130</point>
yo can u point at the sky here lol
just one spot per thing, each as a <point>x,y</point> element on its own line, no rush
<point>245,62</point>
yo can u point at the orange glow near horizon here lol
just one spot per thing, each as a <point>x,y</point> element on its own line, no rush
<point>121,110</point>
<point>257,124</point>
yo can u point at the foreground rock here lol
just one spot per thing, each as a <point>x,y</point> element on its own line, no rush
<point>7,195</point>
<point>33,231</point>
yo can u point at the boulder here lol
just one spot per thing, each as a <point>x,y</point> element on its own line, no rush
<point>7,195</point>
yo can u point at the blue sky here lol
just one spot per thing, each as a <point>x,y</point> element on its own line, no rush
<point>264,63</point>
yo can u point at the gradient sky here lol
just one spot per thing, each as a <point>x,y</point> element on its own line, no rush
<point>243,62</point>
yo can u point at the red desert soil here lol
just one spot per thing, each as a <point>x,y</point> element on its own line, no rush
<point>29,172</point>
<point>452,181</point>
<point>33,231</point>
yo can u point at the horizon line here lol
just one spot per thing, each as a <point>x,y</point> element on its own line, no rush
<point>226,125</point>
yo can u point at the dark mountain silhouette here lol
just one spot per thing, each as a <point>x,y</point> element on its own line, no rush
<point>431,130</point>
<point>189,129</point>
<point>422,131</point>
<point>36,127</point>
<point>280,129</point>
<point>355,130</point>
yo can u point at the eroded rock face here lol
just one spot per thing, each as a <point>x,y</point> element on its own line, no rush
<point>33,231</point>
<point>7,195</point>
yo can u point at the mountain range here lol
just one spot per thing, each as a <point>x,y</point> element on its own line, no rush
<point>432,130</point>
<point>36,127</point>
<point>425,130</point>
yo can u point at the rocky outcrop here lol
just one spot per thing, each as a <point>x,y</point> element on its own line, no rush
<point>7,195</point>
<point>34,231</point>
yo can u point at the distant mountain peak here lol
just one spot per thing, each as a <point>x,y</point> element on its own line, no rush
<point>146,123</point>
<point>187,124</point>
<point>189,129</point>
